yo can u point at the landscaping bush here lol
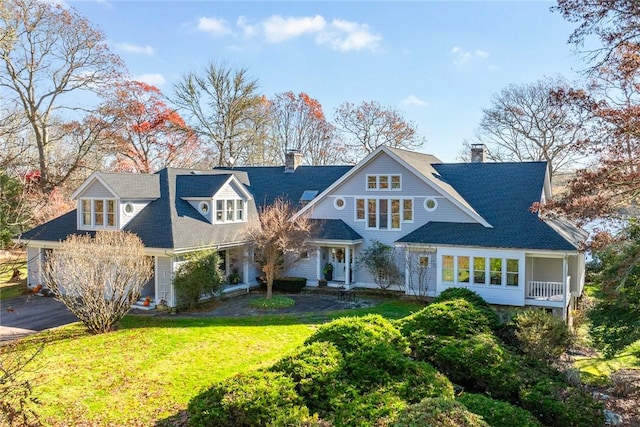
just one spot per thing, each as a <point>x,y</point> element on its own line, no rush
<point>199,276</point>
<point>421,380</point>
<point>556,404</point>
<point>437,412</point>
<point>316,369</point>
<point>470,296</point>
<point>292,285</point>
<point>541,335</point>
<point>365,410</point>
<point>497,413</point>
<point>254,399</point>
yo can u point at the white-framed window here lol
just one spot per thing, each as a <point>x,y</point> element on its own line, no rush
<point>229,211</point>
<point>339,203</point>
<point>204,207</point>
<point>98,213</point>
<point>382,182</point>
<point>430,204</point>
<point>128,209</point>
<point>383,213</point>
<point>488,271</point>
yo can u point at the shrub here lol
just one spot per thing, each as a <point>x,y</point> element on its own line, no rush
<point>465,294</point>
<point>316,369</point>
<point>365,410</point>
<point>292,285</point>
<point>557,404</point>
<point>497,413</point>
<point>541,335</point>
<point>421,380</point>
<point>198,277</point>
<point>253,399</point>
<point>437,412</point>
<point>479,363</point>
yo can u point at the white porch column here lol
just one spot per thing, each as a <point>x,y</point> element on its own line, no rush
<point>407,275</point>
<point>347,272</point>
<point>245,267</point>
<point>565,275</point>
<point>318,266</point>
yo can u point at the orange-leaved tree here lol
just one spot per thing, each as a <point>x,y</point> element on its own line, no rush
<point>279,240</point>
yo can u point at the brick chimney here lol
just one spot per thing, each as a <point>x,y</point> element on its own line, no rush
<point>477,153</point>
<point>293,159</point>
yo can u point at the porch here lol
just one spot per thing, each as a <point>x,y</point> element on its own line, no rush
<point>553,280</point>
<point>547,294</point>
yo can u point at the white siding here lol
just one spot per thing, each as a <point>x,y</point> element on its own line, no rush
<point>124,217</point>
<point>97,190</point>
<point>544,269</point>
<point>306,268</point>
<point>228,192</point>
<point>164,279</point>
<point>34,266</point>
<point>209,215</point>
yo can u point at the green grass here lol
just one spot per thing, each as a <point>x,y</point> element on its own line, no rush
<point>597,370</point>
<point>273,303</point>
<point>12,289</point>
<point>151,367</point>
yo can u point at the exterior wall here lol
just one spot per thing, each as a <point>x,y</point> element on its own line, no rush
<point>97,190</point>
<point>577,273</point>
<point>164,279</point>
<point>123,217</point>
<point>544,269</point>
<point>34,266</point>
<point>421,280</point>
<point>494,294</point>
<point>306,267</point>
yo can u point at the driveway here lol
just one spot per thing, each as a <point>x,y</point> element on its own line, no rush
<point>28,314</point>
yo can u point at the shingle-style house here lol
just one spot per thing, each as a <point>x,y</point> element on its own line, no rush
<point>454,225</point>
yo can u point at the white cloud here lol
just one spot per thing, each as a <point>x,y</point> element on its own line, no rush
<point>214,26</point>
<point>346,36</point>
<point>132,48</point>
<point>247,29</point>
<point>278,29</point>
<point>155,79</point>
<point>460,56</point>
<point>414,101</point>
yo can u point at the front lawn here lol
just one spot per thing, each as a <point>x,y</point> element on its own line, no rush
<point>151,367</point>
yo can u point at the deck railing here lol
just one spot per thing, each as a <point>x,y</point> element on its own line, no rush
<point>547,291</point>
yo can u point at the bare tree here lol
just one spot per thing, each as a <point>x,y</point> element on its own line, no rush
<point>279,240</point>
<point>16,394</point>
<point>420,272</point>
<point>298,123</point>
<point>533,122</point>
<point>225,110</point>
<point>381,262</point>
<point>98,278</point>
<point>369,125</point>
<point>47,53</point>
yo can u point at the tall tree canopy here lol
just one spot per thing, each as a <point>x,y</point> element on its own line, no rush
<point>146,135</point>
<point>224,108</point>
<point>369,125</point>
<point>298,123</point>
<point>532,122</point>
<point>47,53</point>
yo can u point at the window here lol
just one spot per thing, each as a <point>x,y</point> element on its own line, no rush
<point>407,211</point>
<point>339,203</point>
<point>373,218</point>
<point>230,210</point>
<point>220,210</point>
<point>430,204</point>
<point>495,264</point>
<point>230,213</point>
<point>395,214</point>
<point>204,207</point>
<point>384,182</point>
<point>239,210</point>
<point>384,214</point>
<point>447,268</point>
<point>479,271</point>
<point>98,212</point>
<point>512,272</point>
<point>360,210</point>
<point>128,209</point>
<point>463,269</point>
<point>423,261</point>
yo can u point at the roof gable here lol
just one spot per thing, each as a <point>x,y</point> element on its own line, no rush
<point>124,185</point>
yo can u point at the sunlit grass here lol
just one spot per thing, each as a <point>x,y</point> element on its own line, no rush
<point>597,370</point>
<point>273,303</point>
<point>151,367</point>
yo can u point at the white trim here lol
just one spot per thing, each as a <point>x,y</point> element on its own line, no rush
<point>241,187</point>
<point>204,207</point>
<point>124,209</point>
<point>92,178</point>
<point>93,227</point>
<point>435,204</point>
<point>337,200</point>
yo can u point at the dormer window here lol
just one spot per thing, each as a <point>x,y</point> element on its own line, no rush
<point>229,210</point>
<point>98,213</point>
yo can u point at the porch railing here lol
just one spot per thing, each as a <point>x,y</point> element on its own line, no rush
<point>547,291</point>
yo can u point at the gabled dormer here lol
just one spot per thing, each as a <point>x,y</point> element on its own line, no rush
<point>109,201</point>
<point>219,198</point>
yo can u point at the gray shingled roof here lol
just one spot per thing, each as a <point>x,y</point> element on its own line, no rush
<point>333,229</point>
<point>502,193</point>
<point>132,186</point>
<point>200,185</point>
<point>270,182</point>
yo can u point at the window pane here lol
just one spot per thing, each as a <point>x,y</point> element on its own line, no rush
<point>424,261</point>
<point>395,213</point>
<point>395,182</point>
<point>239,210</point>
<point>384,182</point>
<point>360,209</point>
<point>111,213</point>
<point>408,210</point>
<point>495,265</point>
<point>98,212</point>
<point>371,205</point>
<point>447,268</point>
<point>463,269</point>
<point>219,210</point>
<point>371,182</point>
<point>479,273</point>
<point>384,213</point>
<point>512,272</point>
<point>230,210</point>
<point>86,212</point>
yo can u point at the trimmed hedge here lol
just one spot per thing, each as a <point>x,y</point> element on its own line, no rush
<point>365,410</point>
<point>254,399</point>
<point>291,285</point>
<point>497,413</point>
<point>437,412</point>
<point>471,297</point>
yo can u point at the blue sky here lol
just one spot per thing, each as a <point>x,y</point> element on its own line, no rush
<point>438,62</point>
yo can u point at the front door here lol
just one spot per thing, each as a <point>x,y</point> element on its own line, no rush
<point>339,264</point>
